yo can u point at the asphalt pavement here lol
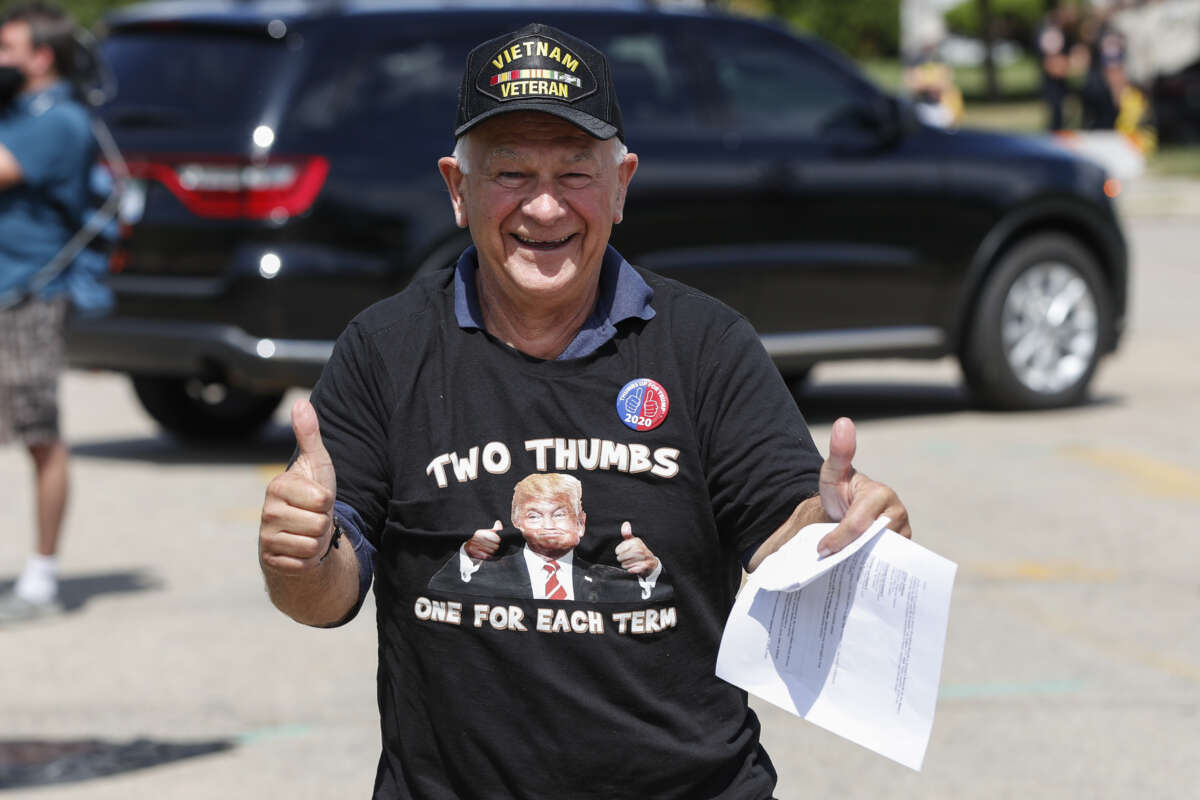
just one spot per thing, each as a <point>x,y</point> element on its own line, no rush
<point>1072,665</point>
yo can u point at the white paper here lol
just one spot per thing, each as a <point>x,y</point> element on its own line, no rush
<point>852,642</point>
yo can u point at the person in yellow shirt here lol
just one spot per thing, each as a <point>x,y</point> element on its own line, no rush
<point>931,83</point>
<point>1135,115</point>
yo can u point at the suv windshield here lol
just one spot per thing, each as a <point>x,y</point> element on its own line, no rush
<point>192,78</point>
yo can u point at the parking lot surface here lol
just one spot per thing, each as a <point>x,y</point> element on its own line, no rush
<point>1072,664</point>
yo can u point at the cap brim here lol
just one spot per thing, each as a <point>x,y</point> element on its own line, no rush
<point>586,122</point>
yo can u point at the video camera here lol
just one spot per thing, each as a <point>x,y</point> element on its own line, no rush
<point>90,76</point>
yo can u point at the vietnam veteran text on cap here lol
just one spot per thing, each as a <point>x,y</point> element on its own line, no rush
<point>540,68</point>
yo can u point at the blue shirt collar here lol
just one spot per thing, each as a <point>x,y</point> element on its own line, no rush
<point>623,295</point>
<point>37,103</point>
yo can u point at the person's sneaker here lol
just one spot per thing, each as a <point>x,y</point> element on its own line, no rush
<point>14,608</point>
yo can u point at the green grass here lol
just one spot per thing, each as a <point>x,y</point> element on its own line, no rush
<point>886,72</point>
<point>1022,112</point>
<point>1181,161</point>
<point>1019,79</point>
<point>1024,116</point>
<point>1022,78</point>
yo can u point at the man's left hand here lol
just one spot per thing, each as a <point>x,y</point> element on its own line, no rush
<point>852,499</point>
<point>633,554</point>
<point>484,543</point>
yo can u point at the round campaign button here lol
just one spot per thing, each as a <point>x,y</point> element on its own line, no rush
<point>642,404</point>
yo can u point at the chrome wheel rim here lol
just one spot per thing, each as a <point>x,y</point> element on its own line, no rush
<point>1049,327</point>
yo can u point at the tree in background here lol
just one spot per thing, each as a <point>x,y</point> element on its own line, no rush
<point>992,20</point>
<point>861,28</point>
<point>87,12</point>
<point>1016,20</point>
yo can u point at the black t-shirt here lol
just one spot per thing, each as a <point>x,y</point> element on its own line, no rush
<point>679,425</point>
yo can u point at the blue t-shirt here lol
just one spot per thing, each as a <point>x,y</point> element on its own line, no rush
<point>49,135</point>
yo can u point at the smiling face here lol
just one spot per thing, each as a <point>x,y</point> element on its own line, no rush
<point>540,199</point>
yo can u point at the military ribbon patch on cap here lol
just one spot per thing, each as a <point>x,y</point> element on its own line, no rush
<point>535,66</point>
<point>642,404</point>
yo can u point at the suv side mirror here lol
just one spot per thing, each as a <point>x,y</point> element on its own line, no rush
<point>868,125</point>
<point>906,115</point>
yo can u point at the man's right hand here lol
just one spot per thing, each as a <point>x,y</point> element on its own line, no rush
<point>297,515</point>
<point>484,543</point>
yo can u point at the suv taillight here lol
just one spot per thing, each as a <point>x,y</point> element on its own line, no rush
<point>277,188</point>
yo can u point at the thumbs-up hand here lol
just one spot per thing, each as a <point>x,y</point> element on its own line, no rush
<point>297,515</point>
<point>633,554</point>
<point>633,403</point>
<point>484,542</point>
<point>852,499</point>
<point>313,461</point>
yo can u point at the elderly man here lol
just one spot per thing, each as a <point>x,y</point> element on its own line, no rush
<point>543,350</point>
<point>547,508</point>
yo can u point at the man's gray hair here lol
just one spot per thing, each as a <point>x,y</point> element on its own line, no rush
<point>461,148</point>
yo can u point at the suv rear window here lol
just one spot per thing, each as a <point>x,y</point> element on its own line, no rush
<point>394,89</point>
<point>193,78</point>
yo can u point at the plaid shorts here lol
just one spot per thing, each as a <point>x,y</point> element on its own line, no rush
<point>31,358</point>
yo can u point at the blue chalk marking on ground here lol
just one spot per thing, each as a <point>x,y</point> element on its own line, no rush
<point>971,691</point>
<point>274,732</point>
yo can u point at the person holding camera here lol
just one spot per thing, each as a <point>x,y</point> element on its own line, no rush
<point>46,152</point>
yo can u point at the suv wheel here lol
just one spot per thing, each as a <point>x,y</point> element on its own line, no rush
<point>1042,321</point>
<point>194,409</point>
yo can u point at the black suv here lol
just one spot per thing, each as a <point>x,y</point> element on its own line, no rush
<point>285,178</point>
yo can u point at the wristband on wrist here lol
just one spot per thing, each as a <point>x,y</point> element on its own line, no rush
<point>334,540</point>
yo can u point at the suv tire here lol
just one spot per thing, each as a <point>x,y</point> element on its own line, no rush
<point>193,409</point>
<point>1043,319</point>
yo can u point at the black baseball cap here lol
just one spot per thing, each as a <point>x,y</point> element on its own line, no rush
<point>540,68</point>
